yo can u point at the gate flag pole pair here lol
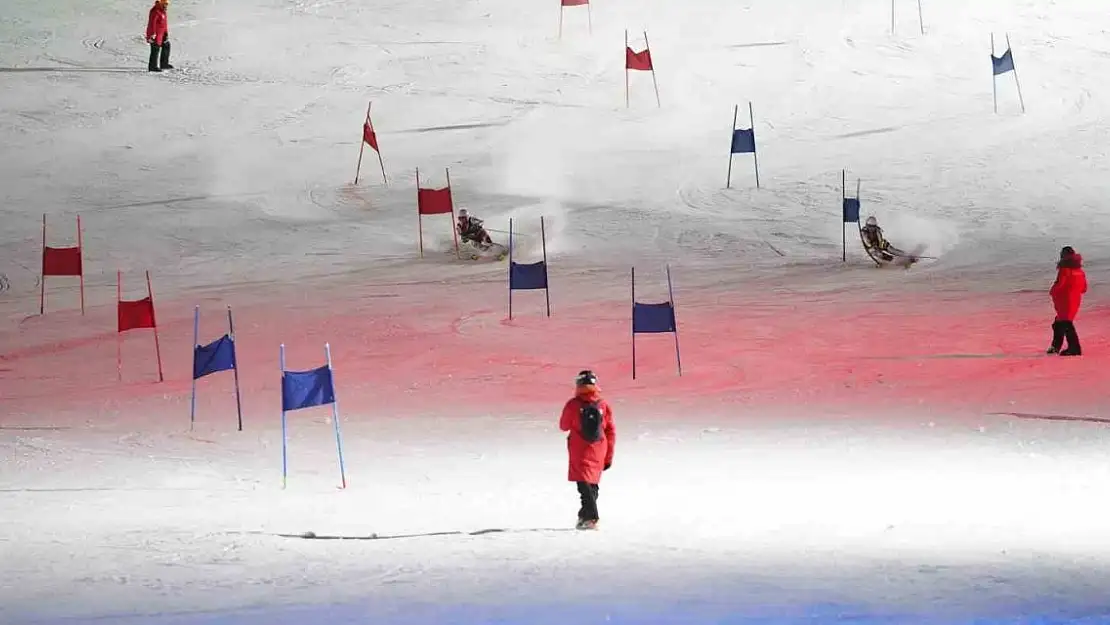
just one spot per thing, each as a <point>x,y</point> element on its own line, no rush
<point>638,61</point>
<point>531,276</point>
<point>920,19</point>
<point>135,315</point>
<point>61,261</point>
<point>219,355</point>
<point>435,202</point>
<point>743,142</point>
<point>369,137</point>
<point>654,318</point>
<point>563,4</point>
<point>306,389</point>
<point>850,211</point>
<point>1000,65</point>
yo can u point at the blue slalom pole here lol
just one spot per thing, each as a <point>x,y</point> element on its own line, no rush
<point>674,319</point>
<point>284,431</point>
<point>196,344</point>
<point>546,279</point>
<point>510,269</point>
<point>755,153</point>
<point>335,418</point>
<point>633,323</point>
<point>235,369</point>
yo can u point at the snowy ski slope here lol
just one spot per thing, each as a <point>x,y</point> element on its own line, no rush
<point>845,444</point>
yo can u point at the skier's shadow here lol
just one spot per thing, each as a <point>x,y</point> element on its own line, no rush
<point>481,532</point>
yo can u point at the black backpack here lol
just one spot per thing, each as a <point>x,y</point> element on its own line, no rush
<point>590,421</point>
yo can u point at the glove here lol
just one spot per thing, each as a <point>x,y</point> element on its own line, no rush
<point>607,465</point>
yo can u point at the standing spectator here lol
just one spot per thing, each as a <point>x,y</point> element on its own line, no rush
<point>158,36</point>
<point>590,441</point>
<point>1067,293</point>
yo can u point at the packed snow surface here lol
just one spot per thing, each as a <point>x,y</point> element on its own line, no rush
<point>844,443</point>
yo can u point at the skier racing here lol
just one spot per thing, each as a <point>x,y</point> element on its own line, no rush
<point>879,248</point>
<point>472,232</point>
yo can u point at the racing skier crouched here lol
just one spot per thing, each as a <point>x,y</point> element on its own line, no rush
<point>471,230</point>
<point>873,237</point>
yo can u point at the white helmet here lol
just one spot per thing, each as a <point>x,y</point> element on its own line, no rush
<point>871,221</point>
<point>463,213</point>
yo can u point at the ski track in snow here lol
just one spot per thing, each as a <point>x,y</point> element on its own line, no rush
<point>845,444</point>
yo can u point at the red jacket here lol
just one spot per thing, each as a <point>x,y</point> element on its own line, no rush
<point>157,24</point>
<point>1068,289</point>
<point>587,460</point>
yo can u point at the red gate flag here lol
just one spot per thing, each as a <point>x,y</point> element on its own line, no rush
<point>435,202</point>
<point>61,261</point>
<point>638,61</point>
<point>575,3</point>
<point>135,315</point>
<point>369,137</point>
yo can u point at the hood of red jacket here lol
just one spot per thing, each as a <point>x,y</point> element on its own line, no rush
<point>1073,261</point>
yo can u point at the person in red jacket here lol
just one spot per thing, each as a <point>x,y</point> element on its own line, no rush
<point>591,439</point>
<point>1067,293</point>
<point>158,36</point>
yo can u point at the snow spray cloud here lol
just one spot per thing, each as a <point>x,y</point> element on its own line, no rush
<point>909,231</point>
<point>536,163</point>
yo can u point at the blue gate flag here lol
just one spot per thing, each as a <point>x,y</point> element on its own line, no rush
<point>652,318</point>
<point>851,210</point>
<point>1004,63</point>
<point>528,277</point>
<point>743,141</point>
<point>305,389</point>
<point>219,355</point>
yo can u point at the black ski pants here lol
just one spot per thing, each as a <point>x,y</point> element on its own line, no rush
<point>1065,330</point>
<point>159,55</point>
<point>589,494</point>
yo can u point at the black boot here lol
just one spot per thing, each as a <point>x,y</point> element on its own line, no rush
<point>155,50</point>
<point>1057,337</point>
<point>165,61</point>
<point>1073,348</point>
